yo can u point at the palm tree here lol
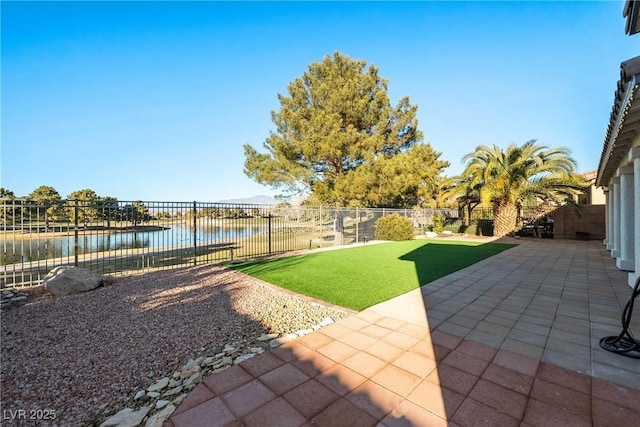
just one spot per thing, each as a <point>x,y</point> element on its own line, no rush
<point>531,173</point>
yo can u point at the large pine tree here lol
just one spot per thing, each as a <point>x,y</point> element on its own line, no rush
<point>339,141</point>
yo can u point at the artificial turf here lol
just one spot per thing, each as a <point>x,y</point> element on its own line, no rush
<point>363,276</point>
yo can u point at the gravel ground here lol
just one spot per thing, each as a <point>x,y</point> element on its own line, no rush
<point>85,355</point>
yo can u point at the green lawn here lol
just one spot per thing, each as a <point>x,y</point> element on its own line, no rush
<point>360,277</point>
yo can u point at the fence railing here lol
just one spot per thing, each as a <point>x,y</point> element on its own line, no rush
<point>117,237</point>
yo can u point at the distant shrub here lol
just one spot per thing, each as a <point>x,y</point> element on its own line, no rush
<point>454,228</point>
<point>438,223</point>
<point>394,227</point>
<point>469,229</point>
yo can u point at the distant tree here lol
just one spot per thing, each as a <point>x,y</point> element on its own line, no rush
<point>108,209</point>
<point>48,203</point>
<point>6,194</point>
<point>45,194</point>
<point>506,179</point>
<point>163,215</point>
<point>211,213</point>
<point>10,211</point>
<point>339,140</point>
<point>443,195</point>
<point>83,204</point>
<point>233,213</point>
<point>466,193</point>
<point>136,212</point>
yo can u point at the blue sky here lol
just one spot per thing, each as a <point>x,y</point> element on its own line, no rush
<point>154,100</point>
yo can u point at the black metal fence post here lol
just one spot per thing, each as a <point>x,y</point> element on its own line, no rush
<point>357,225</point>
<point>195,233</point>
<point>76,247</point>
<point>269,232</point>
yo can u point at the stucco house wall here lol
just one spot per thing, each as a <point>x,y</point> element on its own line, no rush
<point>619,168</point>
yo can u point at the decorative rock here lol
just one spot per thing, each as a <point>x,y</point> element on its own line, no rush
<point>153,394</point>
<point>228,348</point>
<point>10,298</point>
<point>157,420</point>
<point>174,383</point>
<point>431,234</point>
<point>67,280</point>
<point>282,340</point>
<point>127,417</point>
<point>242,358</point>
<point>173,391</point>
<point>161,404</point>
<point>209,361</point>
<point>159,385</point>
<point>193,379</point>
<point>227,360</point>
<point>139,394</point>
<point>267,337</point>
<point>326,321</point>
<point>219,355</point>
<point>256,350</point>
<point>303,332</point>
<point>178,400</point>
<point>190,364</point>
<point>188,373</point>
<point>447,232</point>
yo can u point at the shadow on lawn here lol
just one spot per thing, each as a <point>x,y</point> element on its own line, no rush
<point>435,260</point>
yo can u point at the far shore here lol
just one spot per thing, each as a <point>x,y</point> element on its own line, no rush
<point>57,231</point>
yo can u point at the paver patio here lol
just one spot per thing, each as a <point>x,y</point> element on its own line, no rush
<point>511,340</point>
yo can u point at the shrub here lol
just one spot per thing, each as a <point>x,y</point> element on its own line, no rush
<point>454,228</point>
<point>394,227</point>
<point>469,229</point>
<point>438,223</point>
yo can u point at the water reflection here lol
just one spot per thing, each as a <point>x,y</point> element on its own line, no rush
<point>27,250</point>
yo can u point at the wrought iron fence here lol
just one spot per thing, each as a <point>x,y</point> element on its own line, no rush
<point>117,237</point>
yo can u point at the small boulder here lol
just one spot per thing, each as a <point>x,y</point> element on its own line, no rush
<point>68,280</point>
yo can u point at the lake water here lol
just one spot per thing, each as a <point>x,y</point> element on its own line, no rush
<point>178,235</point>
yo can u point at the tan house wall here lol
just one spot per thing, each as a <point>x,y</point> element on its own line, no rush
<point>596,196</point>
<point>566,223</point>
